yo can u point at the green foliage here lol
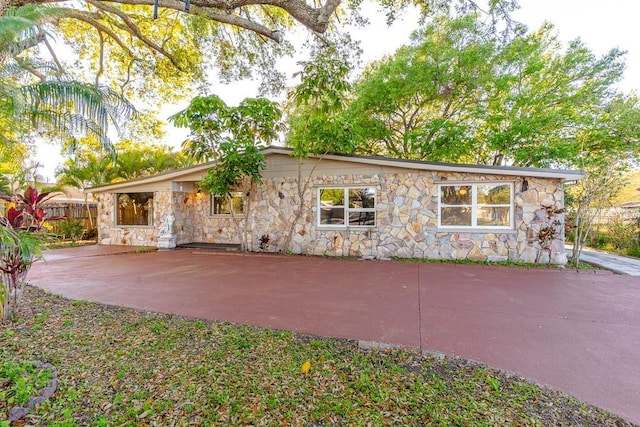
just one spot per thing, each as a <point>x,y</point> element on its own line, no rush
<point>205,117</point>
<point>212,123</point>
<point>89,166</point>
<point>71,229</point>
<point>21,243</point>
<point>419,102</point>
<point>234,137</point>
<point>21,381</point>
<point>317,123</point>
<point>620,234</point>
<point>169,58</point>
<point>235,162</point>
<point>460,93</point>
<point>589,197</point>
<point>49,103</point>
<point>4,184</point>
<point>544,105</point>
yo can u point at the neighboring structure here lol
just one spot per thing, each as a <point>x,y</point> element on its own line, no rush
<point>69,203</point>
<point>354,206</point>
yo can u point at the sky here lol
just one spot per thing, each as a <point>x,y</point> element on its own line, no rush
<point>600,25</point>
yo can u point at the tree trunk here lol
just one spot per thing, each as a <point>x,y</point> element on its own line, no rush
<point>302,191</point>
<point>236,224</point>
<point>11,292</point>
<point>86,204</point>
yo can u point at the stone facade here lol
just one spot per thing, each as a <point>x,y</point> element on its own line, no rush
<point>406,220</point>
<point>110,233</point>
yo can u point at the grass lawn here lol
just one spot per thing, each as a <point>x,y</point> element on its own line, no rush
<point>120,367</point>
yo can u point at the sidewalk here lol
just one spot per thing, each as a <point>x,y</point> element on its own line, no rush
<point>617,263</point>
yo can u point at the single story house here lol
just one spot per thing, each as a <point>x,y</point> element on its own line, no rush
<point>364,206</point>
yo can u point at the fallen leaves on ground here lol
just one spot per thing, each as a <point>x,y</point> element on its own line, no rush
<point>119,366</point>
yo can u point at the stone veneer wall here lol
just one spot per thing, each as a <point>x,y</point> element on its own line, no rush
<point>109,233</point>
<point>406,205</point>
<point>195,224</point>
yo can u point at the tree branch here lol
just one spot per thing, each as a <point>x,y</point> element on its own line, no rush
<point>91,19</point>
<point>100,59</point>
<point>315,19</point>
<point>35,72</point>
<point>135,30</point>
<point>53,55</point>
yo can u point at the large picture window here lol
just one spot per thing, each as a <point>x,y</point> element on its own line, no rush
<point>134,209</point>
<point>220,204</point>
<point>347,207</point>
<point>476,206</point>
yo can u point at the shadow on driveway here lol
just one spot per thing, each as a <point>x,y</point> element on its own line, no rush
<point>577,332</point>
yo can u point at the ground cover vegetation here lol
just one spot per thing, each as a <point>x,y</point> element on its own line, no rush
<point>119,366</point>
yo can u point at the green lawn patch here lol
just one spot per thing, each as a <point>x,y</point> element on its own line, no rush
<point>119,366</point>
<point>20,380</point>
<point>583,265</point>
<point>61,244</point>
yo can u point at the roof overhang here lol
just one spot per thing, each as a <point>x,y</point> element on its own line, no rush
<point>164,176</point>
<point>565,175</point>
<point>174,175</point>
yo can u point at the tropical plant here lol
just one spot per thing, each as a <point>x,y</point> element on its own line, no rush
<point>21,243</point>
<point>36,97</point>
<point>86,170</point>
<point>71,229</point>
<point>4,184</point>
<point>212,123</point>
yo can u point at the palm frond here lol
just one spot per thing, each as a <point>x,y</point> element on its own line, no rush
<point>20,24</point>
<point>70,106</point>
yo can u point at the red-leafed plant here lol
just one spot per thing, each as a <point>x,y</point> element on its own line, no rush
<point>21,243</point>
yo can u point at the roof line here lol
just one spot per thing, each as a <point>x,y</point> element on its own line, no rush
<point>563,174</point>
<point>441,166</point>
<point>154,178</point>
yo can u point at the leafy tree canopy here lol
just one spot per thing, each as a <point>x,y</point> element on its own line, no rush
<point>459,93</point>
<point>317,120</point>
<point>256,121</point>
<point>159,49</point>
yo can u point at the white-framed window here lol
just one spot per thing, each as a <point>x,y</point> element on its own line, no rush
<point>220,204</point>
<point>476,205</point>
<point>134,209</point>
<point>347,207</point>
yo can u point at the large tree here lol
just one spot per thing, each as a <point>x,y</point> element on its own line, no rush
<point>459,93</point>
<point>420,102</point>
<point>157,49</point>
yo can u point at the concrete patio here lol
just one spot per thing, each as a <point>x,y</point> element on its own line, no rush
<point>577,332</point>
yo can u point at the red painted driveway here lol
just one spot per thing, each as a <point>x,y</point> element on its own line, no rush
<point>578,332</point>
